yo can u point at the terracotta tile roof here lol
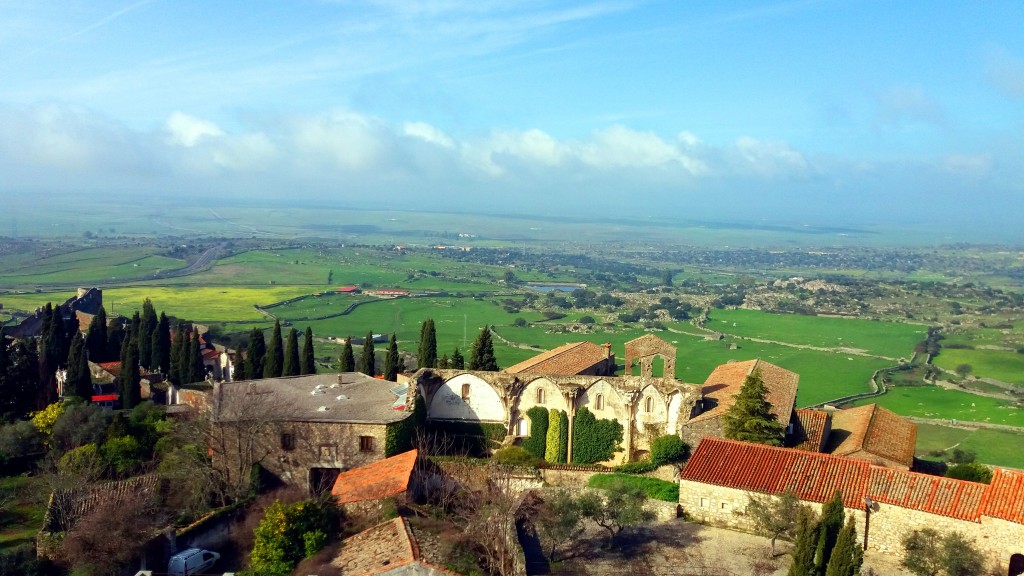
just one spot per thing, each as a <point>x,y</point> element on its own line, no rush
<point>566,360</point>
<point>377,480</point>
<point>810,429</point>
<point>725,381</point>
<point>816,477</point>
<point>936,495</point>
<point>874,430</point>
<point>1005,497</point>
<point>378,549</point>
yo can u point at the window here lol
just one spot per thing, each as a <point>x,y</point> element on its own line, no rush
<point>724,506</point>
<point>366,443</point>
<point>540,395</point>
<point>599,402</point>
<point>328,453</point>
<point>649,404</point>
<point>523,428</point>
<point>287,441</point>
<point>705,503</point>
<point>465,392</point>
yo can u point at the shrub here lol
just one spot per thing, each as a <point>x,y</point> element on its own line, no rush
<point>44,419</point>
<point>554,433</point>
<point>970,471</point>
<point>668,449</point>
<point>594,440</point>
<point>641,467</point>
<point>563,437</point>
<point>122,455</point>
<point>651,487</point>
<point>290,532</point>
<point>587,320</point>
<point>537,441</point>
<point>516,456</point>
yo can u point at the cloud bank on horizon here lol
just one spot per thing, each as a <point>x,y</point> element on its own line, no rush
<point>826,111</point>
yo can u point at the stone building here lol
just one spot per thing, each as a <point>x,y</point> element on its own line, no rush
<point>573,359</point>
<point>875,434</point>
<point>305,430</point>
<point>719,394</point>
<point>885,503</point>
<point>84,305</point>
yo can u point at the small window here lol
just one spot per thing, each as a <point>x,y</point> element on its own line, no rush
<point>287,441</point>
<point>704,503</point>
<point>328,453</point>
<point>599,402</point>
<point>465,392</point>
<point>540,395</point>
<point>366,443</point>
<point>649,404</point>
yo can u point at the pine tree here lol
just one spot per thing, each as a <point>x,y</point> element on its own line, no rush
<point>391,360</point>
<point>131,393</point>
<point>443,362</point>
<point>291,355</point>
<point>149,325</point>
<point>78,381</point>
<point>96,340</point>
<point>832,516</point>
<point>426,356</point>
<point>367,359</point>
<point>308,360</point>
<point>750,418</point>
<point>347,361</point>
<point>196,369</point>
<point>847,556</point>
<point>482,355</point>
<point>273,364</point>
<point>162,345</point>
<point>458,362</point>
<point>805,545</point>
<point>254,357</point>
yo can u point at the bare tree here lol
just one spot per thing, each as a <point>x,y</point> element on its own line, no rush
<point>488,517</point>
<point>616,509</point>
<point>113,534</point>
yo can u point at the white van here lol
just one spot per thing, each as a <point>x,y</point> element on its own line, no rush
<point>191,561</point>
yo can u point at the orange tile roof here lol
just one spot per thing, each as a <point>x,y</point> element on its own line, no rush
<point>816,477</point>
<point>374,481</point>
<point>566,360</point>
<point>1005,497</point>
<point>875,430</point>
<point>811,429</point>
<point>725,381</point>
<point>378,549</point>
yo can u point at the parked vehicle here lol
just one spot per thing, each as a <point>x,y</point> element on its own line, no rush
<point>191,561</point>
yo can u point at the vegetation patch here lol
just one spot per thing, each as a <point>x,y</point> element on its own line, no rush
<point>652,487</point>
<point>942,404</point>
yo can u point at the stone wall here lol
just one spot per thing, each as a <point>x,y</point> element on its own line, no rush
<point>692,432</point>
<point>997,539</point>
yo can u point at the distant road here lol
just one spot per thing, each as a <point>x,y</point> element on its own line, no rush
<point>204,260</point>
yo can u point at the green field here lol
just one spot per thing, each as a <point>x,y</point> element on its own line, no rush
<point>936,402</point>
<point>22,518</point>
<point>890,339</point>
<point>1003,365</point>
<point>86,267</point>
<point>996,447</point>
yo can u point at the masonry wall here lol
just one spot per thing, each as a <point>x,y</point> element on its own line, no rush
<point>692,432</point>
<point>997,539</point>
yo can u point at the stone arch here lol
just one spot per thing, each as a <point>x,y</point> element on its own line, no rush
<point>467,397</point>
<point>645,349</point>
<point>1016,565</point>
<point>541,392</point>
<point>615,404</point>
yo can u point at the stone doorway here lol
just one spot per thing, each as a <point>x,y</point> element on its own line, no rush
<point>321,480</point>
<point>1016,565</point>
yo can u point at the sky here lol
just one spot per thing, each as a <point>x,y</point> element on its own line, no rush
<point>815,112</point>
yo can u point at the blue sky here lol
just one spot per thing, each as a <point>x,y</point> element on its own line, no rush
<point>815,111</point>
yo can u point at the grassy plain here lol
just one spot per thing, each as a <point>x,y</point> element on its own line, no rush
<point>997,447</point>
<point>85,267</point>
<point>939,403</point>
<point>22,518</point>
<point>1003,365</point>
<point>880,338</point>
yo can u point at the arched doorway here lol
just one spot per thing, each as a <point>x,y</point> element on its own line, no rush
<point>1016,565</point>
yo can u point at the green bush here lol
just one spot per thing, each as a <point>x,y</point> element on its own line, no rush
<point>594,440</point>
<point>652,487</point>
<point>537,442</point>
<point>554,433</point>
<point>970,471</point>
<point>563,437</point>
<point>668,449</point>
<point>123,455</point>
<point>641,467</point>
<point>516,456</point>
<point>290,532</point>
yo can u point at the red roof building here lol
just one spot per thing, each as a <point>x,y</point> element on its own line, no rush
<point>375,481</point>
<point>573,359</point>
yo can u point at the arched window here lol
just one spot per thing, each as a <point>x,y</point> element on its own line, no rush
<point>540,395</point>
<point>599,402</point>
<point>522,428</point>
<point>465,392</point>
<point>649,404</point>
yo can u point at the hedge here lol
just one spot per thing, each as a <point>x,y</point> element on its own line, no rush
<point>594,440</point>
<point>563,437</point>
<point>652,487</point>
<point>535,444</point>
<point>554,433</point>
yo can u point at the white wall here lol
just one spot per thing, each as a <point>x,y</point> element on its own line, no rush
<point>483,405</point>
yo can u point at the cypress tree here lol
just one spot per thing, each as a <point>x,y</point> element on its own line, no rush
<point>196,369</point>
<point>832,516</point>
<point>273,364</point>
<point>563,437</point>
<point>443,362</point>
<point>131,393</point>
<point>482,355</point>
<point>458,362</point>
<point>347,361</point>
<point>308,363</point>
<point>178,357</point>
<point>804,547</point>
<point>161,359</point>
<point>115,337</point>
<point>254,357</point>
<point>78,381</point>
<point>96,340</point>
<point>367,361</point>
<point>426,356</point>
<point>847,556</point>
<point>391,360</point>
<point>149,325</point>
<point>750,418</point>
<point>291,355</point>
<point>238,368</point>
<point>554,433</point>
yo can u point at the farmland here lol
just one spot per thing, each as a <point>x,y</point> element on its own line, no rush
<point>998,447</point>
<point>938,403</point>
<point>1003,365</point>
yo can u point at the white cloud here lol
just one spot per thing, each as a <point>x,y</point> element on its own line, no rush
<point>186,130</point>
<point>428,133</point>
<point>966,164</point>
<point>341,139</point>
<point>770,159</point>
